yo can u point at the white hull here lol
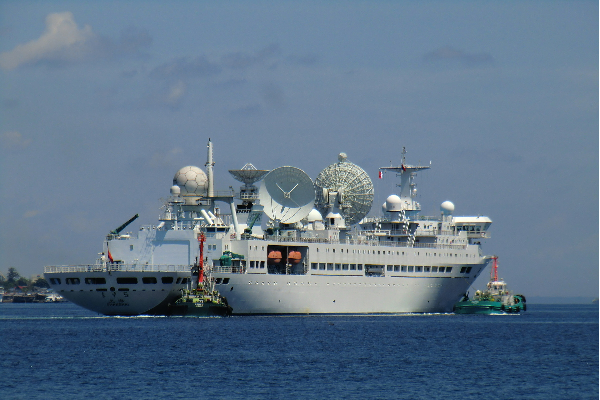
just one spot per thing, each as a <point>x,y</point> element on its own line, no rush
<point>111,297</point>
<point>306,294</point>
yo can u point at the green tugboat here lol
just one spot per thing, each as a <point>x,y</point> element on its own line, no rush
<point>496,299</point>
<point>203,300</point>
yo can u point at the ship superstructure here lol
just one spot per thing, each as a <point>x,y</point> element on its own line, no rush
<point>290,247</point>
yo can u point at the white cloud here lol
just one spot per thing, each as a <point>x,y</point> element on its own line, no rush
<point>13,140</point>
<point>176,92</point>
<point>62,38</point>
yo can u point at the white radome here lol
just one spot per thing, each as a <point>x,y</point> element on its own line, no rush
<point>393,203</point>
<point>192,181</point>
<point>447,207</point>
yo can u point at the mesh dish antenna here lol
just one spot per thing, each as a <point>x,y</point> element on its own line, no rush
<point>354,185</point>
<point>287,194</point>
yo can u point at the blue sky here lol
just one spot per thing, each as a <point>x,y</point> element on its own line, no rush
<point>102,102</point>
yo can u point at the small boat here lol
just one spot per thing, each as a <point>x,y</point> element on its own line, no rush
<point>496,299</point>
<point>294,257</point>
<point>274,257</point>
<point>203,300</point>
<point>201,303</point>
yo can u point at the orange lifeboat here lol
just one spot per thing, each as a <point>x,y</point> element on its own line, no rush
<point>294,257</point>
<point>274,257</point>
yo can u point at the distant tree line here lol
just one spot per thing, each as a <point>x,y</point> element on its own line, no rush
<point>13,280</point>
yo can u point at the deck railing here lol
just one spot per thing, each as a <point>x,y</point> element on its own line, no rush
<point>116,267</point>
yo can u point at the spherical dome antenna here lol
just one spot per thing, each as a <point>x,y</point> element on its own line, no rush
<point>192,181</point>
<point>287,194</point>
<point>393,203</point>
<point>352,182</point>
<point>314,215</point>
<point>447,207</point>
<point>175,190</point>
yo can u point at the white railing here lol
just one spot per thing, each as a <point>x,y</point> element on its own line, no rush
<point>116,267</point>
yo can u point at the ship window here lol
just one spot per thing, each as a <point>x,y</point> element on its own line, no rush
<point>434,269</point>
<point>313,266</point>
<point>123,289</point>
<point>55,281</point>
<point>101,290</point>
<point>403,268</point>
<point>463,270</point>
<point>442,269</point>
<point>130,247</point>
<point>329,266</point>
<point>218,281</point>
<point>166,279</point>
<point>183,281</point>
<point>225,281</point>
<point>345,267</point>
<point>352,267</point>
<point>262,264</point>
<point>410,268</point>
<point>72,281</point>
<point>322,266</point>
<point>418,268</point>
<point>390,267</point>
<point>426,269</point>
<point>359,266</point>
<point>469,270</point>
<point>334,250</point>
<point>396,268</point>
<point>338,267</point>
<point>448,270</point>
<point>251,264</point>
<point>127,281</point>
<point>95,281</point>
<point>149,280</point>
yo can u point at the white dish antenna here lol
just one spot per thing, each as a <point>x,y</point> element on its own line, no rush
<point>248,174</point>
<point>287,194</point>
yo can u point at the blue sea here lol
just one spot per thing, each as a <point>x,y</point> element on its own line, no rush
<point>52,351</point>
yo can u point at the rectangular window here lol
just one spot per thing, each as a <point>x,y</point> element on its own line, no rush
<point>418,268</point>
<point>469,270</point>
<point>262,264</point>
<point>72,281</point>
<point>434,269</point>
<point>390,268</point>
<point>225,281</point>
<point>426,269</point>
<point>313,266</point>
<point>329,266</point>
<point>95,281</point>
<point>396,268</point>
<point>55,281</point>
<point>359,266</point>
<point>411,268</point>
<point>150,279</point>
<point>448,270</point>
<point>345,267</point>
<point>167,280</point>
<point>403,268</point>
<point>442,269</point>
<point>352,267</point>
<point>128,281</point>
<point>463,270</point>
<point>338,267</point>
<point>251,264</point>
<point>322,266</point>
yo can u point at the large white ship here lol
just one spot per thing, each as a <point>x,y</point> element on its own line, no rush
<point>292,246</point>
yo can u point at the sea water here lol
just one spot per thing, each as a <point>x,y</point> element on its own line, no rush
<point>62,351</point>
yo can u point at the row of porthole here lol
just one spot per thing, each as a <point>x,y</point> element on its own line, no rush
<point>334,284</point>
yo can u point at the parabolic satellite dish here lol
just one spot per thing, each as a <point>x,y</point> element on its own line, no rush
<point>287,194</point>
<point>353,186</point>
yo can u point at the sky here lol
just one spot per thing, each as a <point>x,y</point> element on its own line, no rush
<point>102,102</point>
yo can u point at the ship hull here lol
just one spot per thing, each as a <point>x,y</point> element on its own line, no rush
<point>312,294</point>
<point>115,293</point>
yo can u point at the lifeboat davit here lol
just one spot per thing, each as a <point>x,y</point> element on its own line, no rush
<point>274,257</point>
<point>294,257</point>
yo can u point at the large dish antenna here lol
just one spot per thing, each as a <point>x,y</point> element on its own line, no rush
<point>287,194</point>
<point>352,185</point>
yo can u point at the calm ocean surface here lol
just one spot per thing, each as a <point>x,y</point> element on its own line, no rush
<point>50,351</point>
